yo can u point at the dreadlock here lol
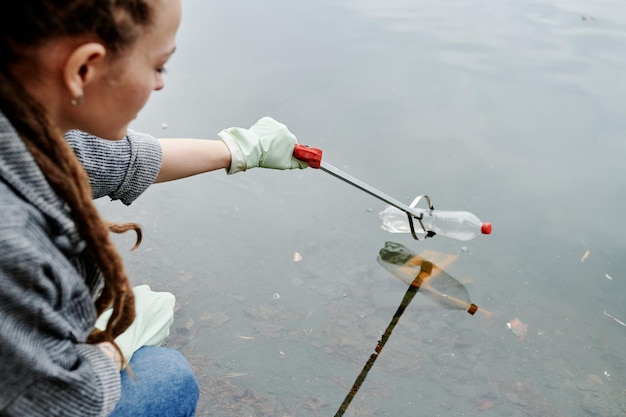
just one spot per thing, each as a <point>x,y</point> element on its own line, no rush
<point>25,25</point>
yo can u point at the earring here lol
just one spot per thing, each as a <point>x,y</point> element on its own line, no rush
<point>77,101</point>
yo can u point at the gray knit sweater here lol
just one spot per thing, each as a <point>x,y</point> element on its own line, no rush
<point>48,280</point>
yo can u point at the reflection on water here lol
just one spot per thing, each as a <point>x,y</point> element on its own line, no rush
<point>513,109</point>
<point>421,275</point>
<point>417,271</point>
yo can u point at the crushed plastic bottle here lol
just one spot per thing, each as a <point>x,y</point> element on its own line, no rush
<point>459,225</point>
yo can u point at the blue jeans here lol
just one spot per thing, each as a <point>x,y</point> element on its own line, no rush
<point>162,385</point>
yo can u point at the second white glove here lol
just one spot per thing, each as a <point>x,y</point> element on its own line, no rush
<point>154,314</point>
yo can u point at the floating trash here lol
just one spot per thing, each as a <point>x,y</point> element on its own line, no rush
<point>276,296</point>
<point>235,374</point>
<point>585,256</point>
<point>518,328</point>
<point>614,318</point>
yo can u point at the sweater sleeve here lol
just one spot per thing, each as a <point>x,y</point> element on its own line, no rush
<point>121,169</point>
<point>46,313</point>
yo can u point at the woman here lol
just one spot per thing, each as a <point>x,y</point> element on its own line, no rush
<point>70,67</point>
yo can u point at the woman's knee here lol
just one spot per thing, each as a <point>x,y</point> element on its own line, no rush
<point>181,377</point>
<point>160,381</point>
<point>167,365</point>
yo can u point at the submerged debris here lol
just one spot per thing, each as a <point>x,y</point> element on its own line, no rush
<point>614,318</point>
<point>585,256</point>
<point>518,328</point>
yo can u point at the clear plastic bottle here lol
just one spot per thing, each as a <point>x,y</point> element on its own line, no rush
<point>459,225</point>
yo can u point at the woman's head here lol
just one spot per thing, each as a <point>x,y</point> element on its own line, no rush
<point>91,64</point>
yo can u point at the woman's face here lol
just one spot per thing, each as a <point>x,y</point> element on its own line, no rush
<point>111,103</point>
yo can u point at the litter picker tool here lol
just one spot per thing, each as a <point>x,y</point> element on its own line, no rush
<point>313,157</point>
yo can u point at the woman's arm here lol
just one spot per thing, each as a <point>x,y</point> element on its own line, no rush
<point>186,157</point>
<point>267,144</point>
<point>125,168</point>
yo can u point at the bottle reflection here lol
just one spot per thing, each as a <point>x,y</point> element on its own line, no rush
<point>423,276</point>
<point>430,279</point>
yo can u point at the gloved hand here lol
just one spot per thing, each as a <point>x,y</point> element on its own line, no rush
<point>267,144</point>
<point>154,314</point>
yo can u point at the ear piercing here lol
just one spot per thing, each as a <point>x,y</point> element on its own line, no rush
<point>77,101</point>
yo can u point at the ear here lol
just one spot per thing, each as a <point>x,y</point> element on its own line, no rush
<point>81,67</point>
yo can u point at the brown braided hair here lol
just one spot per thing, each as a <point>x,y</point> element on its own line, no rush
<point>24,26</point>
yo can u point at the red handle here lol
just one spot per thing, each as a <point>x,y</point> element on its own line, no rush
<point>312,156</point>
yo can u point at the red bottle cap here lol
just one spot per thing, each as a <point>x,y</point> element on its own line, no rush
<point>485,229</point>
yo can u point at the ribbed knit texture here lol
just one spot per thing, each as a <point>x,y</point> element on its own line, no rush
<point>48,280</point>
<point>117,169</point>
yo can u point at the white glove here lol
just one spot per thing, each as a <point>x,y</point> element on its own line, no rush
<point>154,314</point>
<point>267,144</point>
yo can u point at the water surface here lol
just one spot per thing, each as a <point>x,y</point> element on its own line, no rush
<point>512,110</point>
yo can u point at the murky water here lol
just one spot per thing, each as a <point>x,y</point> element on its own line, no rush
<point>513,110</point>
